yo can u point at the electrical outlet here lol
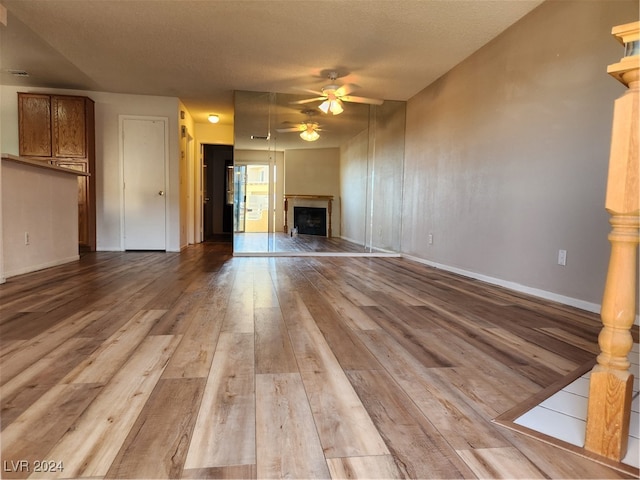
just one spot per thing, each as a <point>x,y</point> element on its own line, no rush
<point>430,239</point>
<point>26,238</point>
<point>562,257</point>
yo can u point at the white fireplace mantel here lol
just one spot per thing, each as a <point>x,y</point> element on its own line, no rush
<point>327,198</point>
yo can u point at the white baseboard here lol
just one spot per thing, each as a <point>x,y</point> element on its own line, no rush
<point>378,250</point>
<point>352,240</point>
<point>109,249</point>
<point>536,292</point>
<point>41,266</point>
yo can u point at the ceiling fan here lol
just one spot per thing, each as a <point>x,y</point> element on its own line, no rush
<point>333,95</point>
<point>308,130</point>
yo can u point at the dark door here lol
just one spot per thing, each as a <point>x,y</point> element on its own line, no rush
<point>218,204</point>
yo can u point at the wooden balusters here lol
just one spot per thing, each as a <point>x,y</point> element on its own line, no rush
<point>611,383</point>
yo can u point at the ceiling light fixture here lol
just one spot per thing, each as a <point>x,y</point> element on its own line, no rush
<point>310,134</point>
<point>333,105</point>
<point>213,118</point>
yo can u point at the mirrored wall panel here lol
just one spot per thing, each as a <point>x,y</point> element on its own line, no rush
<point>306,181</point>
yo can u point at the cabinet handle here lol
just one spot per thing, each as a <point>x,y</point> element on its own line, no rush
<point>161,193</point>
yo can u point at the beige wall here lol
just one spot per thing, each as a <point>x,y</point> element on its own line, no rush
<point>353,187</point>
<point>187,172</point>
<point>506,155</point>
<point>189,167</point>
<point>387,160</point>
<point>314,172</point>
<point>44,204</point>
<point>371,166</point>
<point>215,134</point>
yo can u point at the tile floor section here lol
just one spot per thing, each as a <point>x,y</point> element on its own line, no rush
<point>563,415</point>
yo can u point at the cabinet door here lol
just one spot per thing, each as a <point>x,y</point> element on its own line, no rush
<point>34,124</point>
<point>69,127</point>
<point>83,211</point>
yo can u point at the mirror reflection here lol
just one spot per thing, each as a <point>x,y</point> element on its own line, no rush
<point>305,181</point>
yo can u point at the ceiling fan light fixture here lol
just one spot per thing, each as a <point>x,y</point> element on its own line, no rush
<point>213,118</point>
<point>310,135</point>
<point>332,105</point>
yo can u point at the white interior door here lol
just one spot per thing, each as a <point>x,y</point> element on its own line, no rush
<point>144,165</point>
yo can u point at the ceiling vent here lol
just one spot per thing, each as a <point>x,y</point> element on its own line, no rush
<point>18,73</point>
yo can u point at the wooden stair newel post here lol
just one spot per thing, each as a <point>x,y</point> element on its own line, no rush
<point>611,382</point>
<point>286,213</point>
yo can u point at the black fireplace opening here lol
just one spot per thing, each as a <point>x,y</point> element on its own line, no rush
<point>310,220</point>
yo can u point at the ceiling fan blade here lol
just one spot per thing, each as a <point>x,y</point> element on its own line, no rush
<point>346,89</point>
<point>299,128</point>
<point>308,100</point>
<point>370,101</point>
<point>308,90</point>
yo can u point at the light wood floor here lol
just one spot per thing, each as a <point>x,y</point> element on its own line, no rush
<point>280,243</point>
<point>203,365</point>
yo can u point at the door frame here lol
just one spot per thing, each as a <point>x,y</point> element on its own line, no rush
<point>165,120</point>
<point>191,191</point>
<point>216,153</point>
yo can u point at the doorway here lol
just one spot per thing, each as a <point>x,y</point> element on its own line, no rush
<point>252,197</point>
<point>217,208</point>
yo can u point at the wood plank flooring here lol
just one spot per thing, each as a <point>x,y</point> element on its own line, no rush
<point>203,365</point>
<point>283,243</point>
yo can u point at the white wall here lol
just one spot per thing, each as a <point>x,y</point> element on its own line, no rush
<point>108,106</point>
<point>43,204</point>
<point>506,155</point>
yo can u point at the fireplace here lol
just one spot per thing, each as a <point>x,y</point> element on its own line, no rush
<point>310,220</point>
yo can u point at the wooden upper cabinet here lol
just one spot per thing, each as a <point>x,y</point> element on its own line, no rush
<point>54,125</point>
<point>69,126</point>
<point>61,129</point>
<point>34,124</point>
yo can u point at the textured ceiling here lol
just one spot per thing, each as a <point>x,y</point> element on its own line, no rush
<point>203,50</point>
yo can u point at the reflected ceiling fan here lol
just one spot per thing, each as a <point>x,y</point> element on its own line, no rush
<point>333,95</point>
<point>308,129</point>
